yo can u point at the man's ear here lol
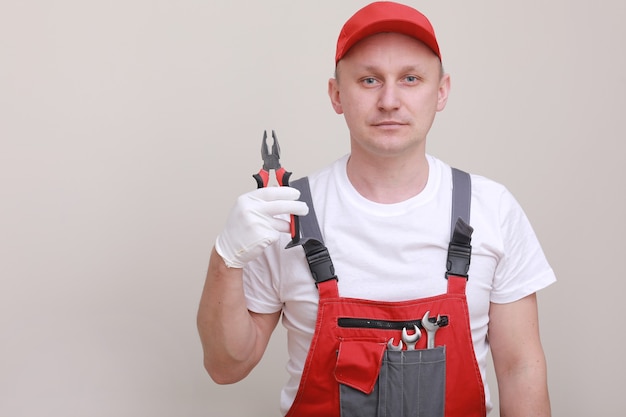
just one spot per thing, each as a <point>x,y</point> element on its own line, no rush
<point>444,91</point>
<point>335,97</point>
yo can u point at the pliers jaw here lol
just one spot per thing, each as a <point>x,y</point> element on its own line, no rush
<point>271,161</point>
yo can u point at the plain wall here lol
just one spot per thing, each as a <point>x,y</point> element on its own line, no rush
<point>127,129</point>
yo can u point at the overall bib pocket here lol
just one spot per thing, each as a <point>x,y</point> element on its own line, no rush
<point>407,383</point>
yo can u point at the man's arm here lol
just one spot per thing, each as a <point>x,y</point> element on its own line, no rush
<point>519,359</point>
<point>233,338</point>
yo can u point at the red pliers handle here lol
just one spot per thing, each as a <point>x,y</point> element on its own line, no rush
<point>271,161</point>
<point>263,177</point>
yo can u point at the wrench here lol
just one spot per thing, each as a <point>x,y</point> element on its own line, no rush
<point>431,328</point>
<point>391,346</point>
<point>411,340</point>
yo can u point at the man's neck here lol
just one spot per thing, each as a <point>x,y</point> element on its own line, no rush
<point>388,180</point>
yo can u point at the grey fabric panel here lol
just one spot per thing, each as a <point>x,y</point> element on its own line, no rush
<point>415,383</point>
<point>308,224</point>
<point>410,384</point>
<point>461,197</point>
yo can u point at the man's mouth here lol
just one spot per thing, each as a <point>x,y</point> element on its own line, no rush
<point>389,123</point>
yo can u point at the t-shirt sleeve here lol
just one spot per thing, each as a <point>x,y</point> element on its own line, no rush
<point>523,269</point>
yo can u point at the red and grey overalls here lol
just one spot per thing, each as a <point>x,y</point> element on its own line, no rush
<point>351,371</point>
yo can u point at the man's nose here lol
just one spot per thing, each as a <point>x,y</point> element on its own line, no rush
<point>389,98</point>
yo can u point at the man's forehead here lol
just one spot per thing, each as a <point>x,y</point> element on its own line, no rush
<point>386,42</point>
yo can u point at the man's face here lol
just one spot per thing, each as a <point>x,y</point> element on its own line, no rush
<point>389,87</point>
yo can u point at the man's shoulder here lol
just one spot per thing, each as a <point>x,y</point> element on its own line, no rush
<point>485,191</point>
<point>486,184</point>
<point>328,176</point>
<point>329,170</point>
<point>479,181</point>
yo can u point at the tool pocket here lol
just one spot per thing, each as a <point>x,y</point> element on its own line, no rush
<point>412,383</point>
<point>409,383</point>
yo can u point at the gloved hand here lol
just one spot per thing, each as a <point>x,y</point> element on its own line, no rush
<point>252,224</point>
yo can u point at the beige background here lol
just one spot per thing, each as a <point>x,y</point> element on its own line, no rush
<point>128,127</point>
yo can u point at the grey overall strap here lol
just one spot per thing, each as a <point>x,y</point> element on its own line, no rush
<point>460,248</point>
<point>308,224</point>
<point>461,197</point>
<point>320,263</point>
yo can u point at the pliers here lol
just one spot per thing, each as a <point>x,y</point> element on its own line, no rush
<point>271,161</point>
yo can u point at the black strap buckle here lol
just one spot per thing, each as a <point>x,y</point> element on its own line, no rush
<point>321,265</point>
<point>458,260</point>
<point>460,250</point>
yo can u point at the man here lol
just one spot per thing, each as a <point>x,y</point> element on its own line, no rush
<point>384,216</point>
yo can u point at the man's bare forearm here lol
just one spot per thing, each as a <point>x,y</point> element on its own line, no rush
<point>519,359</point>
<point>524,391</point>
<point>233,339</point>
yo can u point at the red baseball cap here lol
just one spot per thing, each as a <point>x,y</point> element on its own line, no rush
<point>386,16</point>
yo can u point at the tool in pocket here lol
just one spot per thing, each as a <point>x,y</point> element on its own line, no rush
<point>411,340</point>
<point>431,328</point>
<point>391,346</point>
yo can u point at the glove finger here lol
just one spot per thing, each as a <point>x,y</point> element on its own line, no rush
<point>275,208</point>
<point>275,193</point>
<point>280,225</point>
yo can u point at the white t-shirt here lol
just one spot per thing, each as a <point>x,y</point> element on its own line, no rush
<point>394,252</point>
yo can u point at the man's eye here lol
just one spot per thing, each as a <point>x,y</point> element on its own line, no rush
<point>411,79</point>
<point>369,81</point>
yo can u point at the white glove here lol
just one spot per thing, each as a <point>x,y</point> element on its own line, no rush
<point>252,225</point>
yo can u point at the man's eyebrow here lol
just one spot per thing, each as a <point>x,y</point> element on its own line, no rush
<point>406,69</point>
